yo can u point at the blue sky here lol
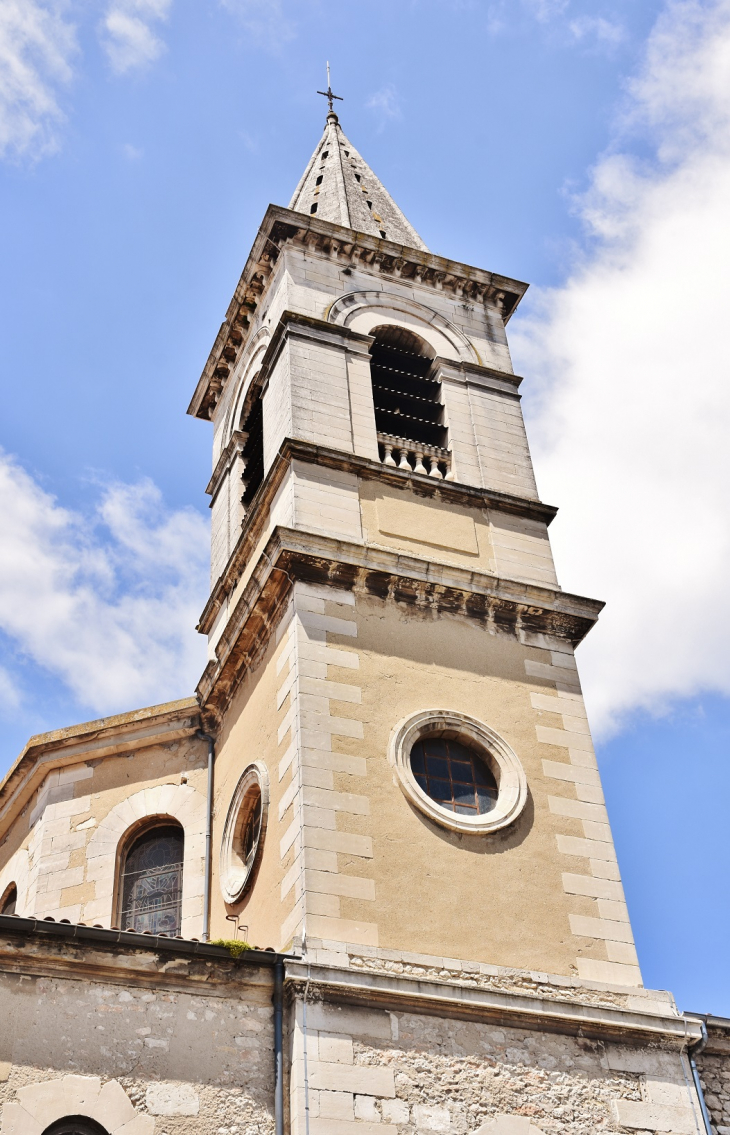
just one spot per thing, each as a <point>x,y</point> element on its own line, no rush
<point>584,147</point>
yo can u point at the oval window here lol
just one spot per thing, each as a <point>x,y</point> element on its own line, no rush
<point>455,775</point>
<point>243,834</point>
<point>458,771</point>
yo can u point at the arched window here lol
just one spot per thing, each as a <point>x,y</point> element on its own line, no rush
<point>76,1125</point>
<point>407,398</point>
<point>9,901</point>
<point>151,881</point>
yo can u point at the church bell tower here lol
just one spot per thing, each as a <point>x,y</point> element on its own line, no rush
<point>403,761</point>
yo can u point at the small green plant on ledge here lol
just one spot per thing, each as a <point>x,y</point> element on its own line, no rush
<point>234,946</point>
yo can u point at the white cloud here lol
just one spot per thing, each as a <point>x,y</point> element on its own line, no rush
<point>632,356</point>
<point>264,20</point>
<point>108,602</point>
<point>386,102</point>
<point>597,28</point>
<point>10,695</point>
<point>545,10</point>
<point>37,45</point>
<point>132,153</point>
<point>128,33</point>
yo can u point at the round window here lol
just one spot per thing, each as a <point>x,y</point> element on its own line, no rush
<point>458,771</point>
<point>455,775</point>
<point>243,834</point>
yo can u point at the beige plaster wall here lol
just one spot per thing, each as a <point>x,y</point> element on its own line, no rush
<point>510,898</point>
<point>249,733</point>
<point>407,520</point>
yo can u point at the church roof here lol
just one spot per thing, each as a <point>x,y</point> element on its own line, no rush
<point>339,186</point>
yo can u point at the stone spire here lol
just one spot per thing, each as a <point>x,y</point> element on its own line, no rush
<point>340,187</point>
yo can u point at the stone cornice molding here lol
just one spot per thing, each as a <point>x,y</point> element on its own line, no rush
<point>280,226</point>
<point>448,491</point>
<point>139,729</point>
<point>478,375</point>
<point>54,949</point>
<point>399,993</point>
<point>500,605</point>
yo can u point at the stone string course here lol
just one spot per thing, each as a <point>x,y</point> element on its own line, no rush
<point>479,975</point>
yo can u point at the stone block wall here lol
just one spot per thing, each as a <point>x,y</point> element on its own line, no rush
<point>159,1043</point>
<point>372,1071</point>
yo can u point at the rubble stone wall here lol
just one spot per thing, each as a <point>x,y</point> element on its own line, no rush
<point>714,1069</point>
<point>417,1074</point>
<point>201,1059</point>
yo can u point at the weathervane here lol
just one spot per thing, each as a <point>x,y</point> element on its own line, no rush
<point>328,93</point>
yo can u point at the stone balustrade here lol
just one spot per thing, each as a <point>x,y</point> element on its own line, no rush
<point>414,455</point>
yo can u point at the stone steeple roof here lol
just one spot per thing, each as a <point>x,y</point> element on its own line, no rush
<point>338,186</point>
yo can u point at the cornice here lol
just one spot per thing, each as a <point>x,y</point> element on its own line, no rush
<point>280,226</point>
<point>398,993</point>
<point>65,950</point>
<point>124,732</point>
<point>451,492</point>
<point>479,375</point>
<point>72,950</point>
<point>502,606</point>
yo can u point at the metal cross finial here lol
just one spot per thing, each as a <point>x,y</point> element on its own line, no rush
<point>328,93</point>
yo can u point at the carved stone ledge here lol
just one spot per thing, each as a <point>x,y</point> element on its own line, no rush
<point>257,515</point>
<point>281,225</point>
<point>501,606</point>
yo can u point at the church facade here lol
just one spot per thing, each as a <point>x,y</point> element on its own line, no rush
<point>385,782</point>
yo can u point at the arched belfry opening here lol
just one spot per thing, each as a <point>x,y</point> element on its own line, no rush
<point>406,394</point>
<point>252,424</point>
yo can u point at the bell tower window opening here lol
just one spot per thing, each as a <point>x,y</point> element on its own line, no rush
<point>151,883</point>
<point>253,448</point>
<point>407,400</point>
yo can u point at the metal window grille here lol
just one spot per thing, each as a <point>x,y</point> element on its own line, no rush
<point>454,776</point>
<point>152,883</point>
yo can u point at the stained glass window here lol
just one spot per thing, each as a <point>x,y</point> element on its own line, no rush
<point>453,775</point>
<point>10,901</point>
<point>152,882</point>
<point>251,828</point>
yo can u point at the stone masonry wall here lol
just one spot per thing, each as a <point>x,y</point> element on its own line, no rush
<point>417,1074</point>
<point>201,1058</point>
<point>714,1070</point>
